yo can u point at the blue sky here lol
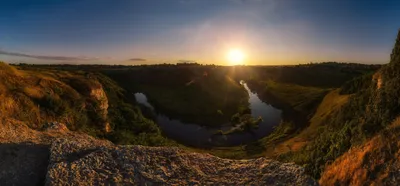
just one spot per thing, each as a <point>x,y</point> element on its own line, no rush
<point>157,31</point>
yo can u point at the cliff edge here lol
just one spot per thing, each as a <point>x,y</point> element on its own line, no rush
<point>81,163</point>
<point>57,156</point>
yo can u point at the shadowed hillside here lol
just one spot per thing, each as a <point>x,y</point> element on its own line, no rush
<point>373,105</point>
<point>376,160</point>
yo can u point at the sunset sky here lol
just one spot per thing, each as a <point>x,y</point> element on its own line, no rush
<point>267,32</point>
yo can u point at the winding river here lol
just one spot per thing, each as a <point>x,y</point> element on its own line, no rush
<point>200,136</point>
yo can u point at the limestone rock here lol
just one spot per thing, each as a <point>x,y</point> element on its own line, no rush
<point>82,163</point>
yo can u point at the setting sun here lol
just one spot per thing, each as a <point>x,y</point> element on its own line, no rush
<point>235,57</point>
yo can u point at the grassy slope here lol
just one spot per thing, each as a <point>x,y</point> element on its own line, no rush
<point>372,108</point>
<point>331,103</point>
<point>373,163</point>
<point>300,98</point>
<point>36,96</point>
<point>341,130</point>
<point>374,158</point>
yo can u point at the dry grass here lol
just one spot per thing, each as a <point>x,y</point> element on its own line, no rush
<point>331,103</point>
<point>25,93</point>
<point>376,162</point>
<point>33,92</point>
<point>7,69</point>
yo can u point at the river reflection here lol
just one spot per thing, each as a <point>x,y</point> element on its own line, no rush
<point>200,136</point>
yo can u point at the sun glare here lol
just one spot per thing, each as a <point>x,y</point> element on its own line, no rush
<point>235,57</point>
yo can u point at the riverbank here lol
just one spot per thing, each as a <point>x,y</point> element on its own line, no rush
<point>247,129</point>
<point>295,117</point>
<point>289,123</point>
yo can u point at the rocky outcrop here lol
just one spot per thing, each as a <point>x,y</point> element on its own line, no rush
<point>100,96</point>
<point>25,153</point>
<point>377,77</point>
<point>96,101</point>
<point>57,156</point>
<point>81,163</point>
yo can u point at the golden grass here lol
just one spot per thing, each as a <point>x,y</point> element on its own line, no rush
<point>33,92</point>
<point>9,70</point>
<point>368,164</point>
<point>3,89</point>
<point>331,103</point>
<point>7,106</point>
<point>21,91</point>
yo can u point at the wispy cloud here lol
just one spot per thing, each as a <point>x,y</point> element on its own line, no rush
<point>186,61</point>
<point>137,60</point>
<point>44,57</point>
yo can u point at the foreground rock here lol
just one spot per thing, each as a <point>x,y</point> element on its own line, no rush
<point>81,163</point>
<point>57,156</point>
<point>25,153</point>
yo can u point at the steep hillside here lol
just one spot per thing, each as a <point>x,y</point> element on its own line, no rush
<point>376,162</point>
<point>331,104</point>
<point>37,98</point>
<point>86,102</point>
<point>373,105</point>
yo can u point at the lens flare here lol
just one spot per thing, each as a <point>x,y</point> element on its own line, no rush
<point>235,57</point>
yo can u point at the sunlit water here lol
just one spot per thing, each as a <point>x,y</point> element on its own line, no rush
<point>200,136</point>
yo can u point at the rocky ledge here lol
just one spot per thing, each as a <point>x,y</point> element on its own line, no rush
<point>80,163</point>
<point>57,156</point>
